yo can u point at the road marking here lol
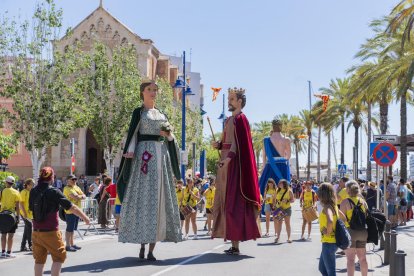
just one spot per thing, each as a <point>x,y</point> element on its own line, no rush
<point>187,261</point>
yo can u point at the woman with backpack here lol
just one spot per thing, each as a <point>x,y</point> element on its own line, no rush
<point>327,224</point>
<point>355,210</point>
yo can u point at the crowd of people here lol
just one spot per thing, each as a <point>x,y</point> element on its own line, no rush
<point>158,205</point>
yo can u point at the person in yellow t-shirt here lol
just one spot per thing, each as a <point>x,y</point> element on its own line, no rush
<point>26,214</point>
<point>327,225</point>
<point>118,206</point>
<point>75,195</point>
<point>209,195</point>
<point>269,195</point>
<point>191,198</point>
<point>283,198</point>
<point>308,199</point>
<point>9,201</point>
<point>179,191</point>
<point>341,192</point>
<point>358,237</point>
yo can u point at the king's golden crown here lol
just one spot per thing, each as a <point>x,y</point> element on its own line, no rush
<point>237,90</point>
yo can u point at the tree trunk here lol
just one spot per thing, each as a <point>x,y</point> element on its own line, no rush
<point>109,161</point>
<point>369,141</point>
<point>356,145</point>
<point>334,149</point>
<point>297,158</point>
<point>37,157</point>
<point>343,140</point>
<point>309,156</point>
<point>384,114</point>
<point>329,173</point>
<point>403,141</point>
<point>318,173</point>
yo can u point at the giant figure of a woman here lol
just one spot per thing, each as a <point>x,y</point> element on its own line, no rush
<point>146,181</point>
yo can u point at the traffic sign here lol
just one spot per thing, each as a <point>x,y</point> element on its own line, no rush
<point>342,168</point>
<point>372,146</point>
<point>385,138</point>
<point>385,154</point>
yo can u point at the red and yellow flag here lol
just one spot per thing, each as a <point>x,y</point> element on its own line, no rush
<point>325,101</point>
<point>216,91</point>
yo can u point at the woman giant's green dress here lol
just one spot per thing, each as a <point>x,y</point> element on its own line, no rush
<point>146,185</point>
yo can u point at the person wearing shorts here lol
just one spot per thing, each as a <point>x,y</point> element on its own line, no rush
<point>209,194</point>
<point>75,195</point>
<point>269,195</point>
<point>283,199</point>
<point>46,237</point>
<point>10,201</point>
<point>358,237</point>
<point>179,191</point>
<point>117,214</point>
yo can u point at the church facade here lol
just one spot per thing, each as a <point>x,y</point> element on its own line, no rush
<point>101,26</point>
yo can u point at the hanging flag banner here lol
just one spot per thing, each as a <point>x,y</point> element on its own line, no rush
<point>325,101</point>
<point>216,91</point>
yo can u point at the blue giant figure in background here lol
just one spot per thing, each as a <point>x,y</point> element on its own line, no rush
<point>276,158</point>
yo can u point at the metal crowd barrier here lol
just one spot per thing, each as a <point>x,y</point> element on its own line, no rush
<point>110,211</point>
<point>90,207</point>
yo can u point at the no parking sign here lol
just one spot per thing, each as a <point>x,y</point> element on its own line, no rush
<point>385,154</point>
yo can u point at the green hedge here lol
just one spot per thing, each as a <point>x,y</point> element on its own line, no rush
<point>3,176</point>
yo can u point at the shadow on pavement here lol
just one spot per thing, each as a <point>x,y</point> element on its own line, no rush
<point>126,262</point>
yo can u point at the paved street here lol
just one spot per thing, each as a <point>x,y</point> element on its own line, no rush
<point>103,255</point>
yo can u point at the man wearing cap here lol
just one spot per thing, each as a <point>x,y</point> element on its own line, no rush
<point>9,200</point>
<point>46,235</point>
<point>75,195</point>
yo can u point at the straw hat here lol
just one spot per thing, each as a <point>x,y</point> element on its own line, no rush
<point>372,184</point>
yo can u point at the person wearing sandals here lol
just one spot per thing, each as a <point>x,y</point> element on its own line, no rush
<point>283,198</point>
<point>145,183</point>
<point>191,198</point>
<point>308,199</point>
<point>269,195</point>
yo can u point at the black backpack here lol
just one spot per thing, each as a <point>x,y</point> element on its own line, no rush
<point>358,219</point>
<point>40,206</point>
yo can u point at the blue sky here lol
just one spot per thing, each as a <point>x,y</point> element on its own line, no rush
<point>270,47</point>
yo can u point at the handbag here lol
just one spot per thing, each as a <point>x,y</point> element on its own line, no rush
<point>187,210</point>
<point>310,214</point>
<point>342,236</point>
<point>279,214</point>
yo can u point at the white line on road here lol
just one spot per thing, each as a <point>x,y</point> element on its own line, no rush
<point>187,261</point>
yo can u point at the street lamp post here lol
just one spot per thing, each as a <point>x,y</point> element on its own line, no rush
<point>186,90</point>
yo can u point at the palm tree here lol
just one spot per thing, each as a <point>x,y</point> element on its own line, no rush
<point>338,89</point>
<point>260,131</point>
<point>306,117</point>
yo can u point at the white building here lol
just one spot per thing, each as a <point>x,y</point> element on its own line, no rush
<point>194,80</point>
<point>411,166</point>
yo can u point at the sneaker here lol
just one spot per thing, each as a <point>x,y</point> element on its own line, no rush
<point>2,255</point>
<point>277,240</point>
<point>70,249</point>
<point>77,247</point>
<point>9,256</point>
<point>195,237</point>
<point>228,250</point>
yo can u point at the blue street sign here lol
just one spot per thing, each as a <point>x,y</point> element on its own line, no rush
<point>372,146</point>
<point>342,168</point>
